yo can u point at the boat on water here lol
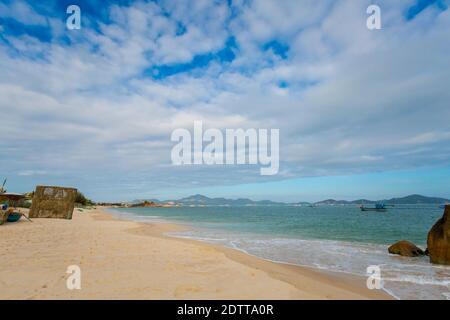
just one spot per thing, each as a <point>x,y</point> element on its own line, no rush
<point>379,207</point>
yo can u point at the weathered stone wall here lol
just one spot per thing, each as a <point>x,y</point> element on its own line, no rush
<point>53,202</point>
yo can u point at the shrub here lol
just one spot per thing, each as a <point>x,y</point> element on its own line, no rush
<point>81,199</point>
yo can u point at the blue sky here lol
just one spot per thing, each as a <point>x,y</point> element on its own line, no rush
<point>361,113</point>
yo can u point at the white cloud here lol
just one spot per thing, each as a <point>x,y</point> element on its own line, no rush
<point>355,100</point>
<point>27,173</point>
<point>22,12</point>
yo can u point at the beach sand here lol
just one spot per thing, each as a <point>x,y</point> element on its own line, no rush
<point>130,260</point>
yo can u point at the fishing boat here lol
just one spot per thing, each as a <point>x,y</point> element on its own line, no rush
<point>379,207</point>
<point>9,211</point>
<point>11,198</point>
<point>14,217</point>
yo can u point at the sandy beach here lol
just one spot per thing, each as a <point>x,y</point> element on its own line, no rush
<point>130,260</point>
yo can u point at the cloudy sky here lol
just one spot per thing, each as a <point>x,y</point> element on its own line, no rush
<point>361,113</point>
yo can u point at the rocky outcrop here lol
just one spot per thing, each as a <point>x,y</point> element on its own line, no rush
<point>439,239</point>
<point>406,249</point>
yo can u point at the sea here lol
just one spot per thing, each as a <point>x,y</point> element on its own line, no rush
<point>338,238</point>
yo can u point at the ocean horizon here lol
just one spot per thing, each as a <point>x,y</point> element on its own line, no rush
<point>331,238</point>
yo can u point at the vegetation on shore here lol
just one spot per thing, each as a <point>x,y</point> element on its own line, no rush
<point>82,200</point>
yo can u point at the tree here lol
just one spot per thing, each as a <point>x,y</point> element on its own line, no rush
<point>81,199</point>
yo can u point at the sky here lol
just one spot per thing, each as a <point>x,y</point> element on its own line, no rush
<point>361,113</point>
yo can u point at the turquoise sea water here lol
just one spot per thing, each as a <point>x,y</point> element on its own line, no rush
<point>335,238</point>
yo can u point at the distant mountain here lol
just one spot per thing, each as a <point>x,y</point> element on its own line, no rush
<point>144,200</point>
<point>412,199</point>
<point>301,203</point>
<point>333,202</point>
<point>416,199</point>
<point>201,200</point>
<point>363,201</point>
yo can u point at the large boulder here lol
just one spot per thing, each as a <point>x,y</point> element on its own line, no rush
<point>406,249</point>
<point>439,239</point>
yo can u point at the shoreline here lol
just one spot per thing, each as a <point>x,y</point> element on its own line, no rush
<point>122,259</point>
<point>240,255</point>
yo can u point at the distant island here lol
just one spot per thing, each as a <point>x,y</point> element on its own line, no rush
<point>150,204</point>
<point>199,200</point>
